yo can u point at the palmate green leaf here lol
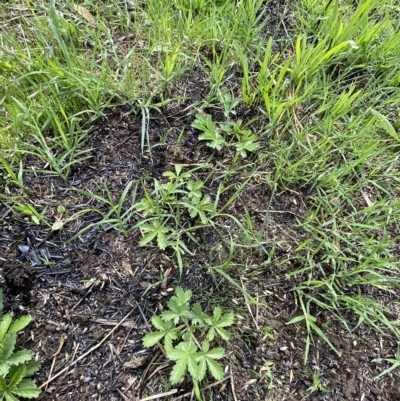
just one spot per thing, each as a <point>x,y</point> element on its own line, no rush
<point>166,329</point>
<point>197,315</point>
<point>204,122</point>
<point>148,238</point>
<point>182,296</point>
<point>185,356</point>
<point>155,229</point>
<point>159,324</point>
<point>215,369</point>
<point>248,146</point>
<point>218,322</point>
<point>20,324</point>
<point>178,306</point>
<point>195,189</point>
<point>207,358</point>
<point>216,141</point>
<point>176,312</point>
<point>146,206</point>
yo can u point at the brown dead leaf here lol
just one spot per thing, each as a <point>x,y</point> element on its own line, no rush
<point>249,383</point>
<point>85,13</point>
<point>165,281</point>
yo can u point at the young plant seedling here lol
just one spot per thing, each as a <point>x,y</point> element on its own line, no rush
<point>14,372</point>
<point>217,135</point>
<point>163,209</point>
<point>186,333</point>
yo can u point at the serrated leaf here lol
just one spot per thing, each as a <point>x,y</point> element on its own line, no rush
<point>215,140</point>
<point>7,346</point>
<point>218,322</point>
<point>185,356</point>
<point>183,296</point>
<point>179,307</point>
<point>162,242</point>
<point>20,357</point>
<point>27,388</point>
<point>159,324</point>
<point>164,327</point>
<point>170,315</point>
<point>155,229</point>
<point>4,325</point>
<point>203,123</point>
<point>211,334</point>
<point>194,187</point>
<point>207,357</point>
<point>146,205</point>
<point>9,397</point>
<point>215,353</point>
<point>178,169</point>
<point>217,314</point>
<point>4,368</point>
<point>202,369</point>
<point>32,368</point>
<point>178,371</point>
<point>215,369</point>
<point>197,315</point>
<point>223,333</point>
<point>16,375</point>
<point>153,338</point>
<point>20,324</point>
<point>168,345</point>
<point>148,238</point>
<point>226,320</point>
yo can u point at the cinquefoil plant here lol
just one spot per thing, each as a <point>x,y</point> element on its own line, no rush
<point>164,207</point>
<point>186,333</point>
<point>226,134</point>
<point>13,370</point>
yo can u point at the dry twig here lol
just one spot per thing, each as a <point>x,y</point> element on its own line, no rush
<point>86,353</point>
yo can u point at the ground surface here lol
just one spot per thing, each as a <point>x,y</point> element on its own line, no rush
<point>77,292</point>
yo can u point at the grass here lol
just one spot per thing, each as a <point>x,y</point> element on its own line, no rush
<point>327,125</point>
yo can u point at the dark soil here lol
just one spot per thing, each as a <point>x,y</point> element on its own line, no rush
<point>80,291</point>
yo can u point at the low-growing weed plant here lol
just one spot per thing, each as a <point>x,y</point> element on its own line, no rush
<point>164,207</point>
<point>14,372</point>
<point>226,134</point>
<point>187,333</point>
